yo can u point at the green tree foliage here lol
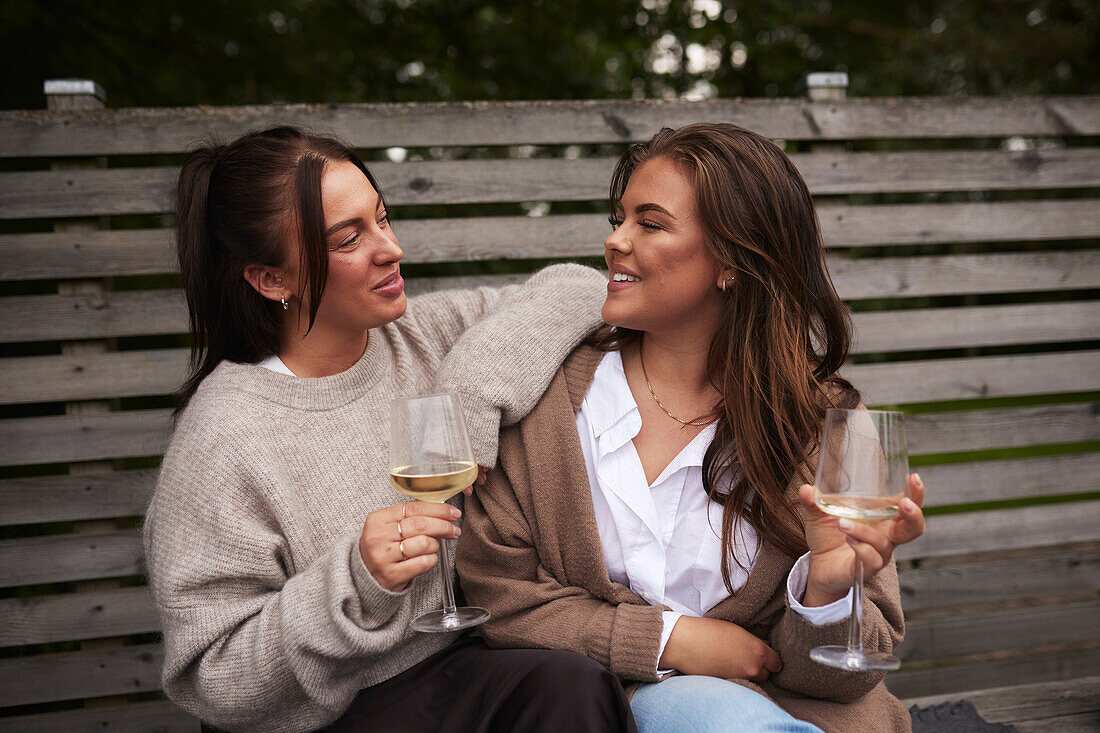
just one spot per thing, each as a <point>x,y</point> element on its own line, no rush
<point>181,52</point>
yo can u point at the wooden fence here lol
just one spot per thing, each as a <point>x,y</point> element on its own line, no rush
<point>963,233</point>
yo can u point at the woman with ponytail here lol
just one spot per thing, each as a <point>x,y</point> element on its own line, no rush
<point>652,511</point>
<point>284,568</point>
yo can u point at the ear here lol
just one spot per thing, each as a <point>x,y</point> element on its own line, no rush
<point>726,277</point>
<point>267,281</point>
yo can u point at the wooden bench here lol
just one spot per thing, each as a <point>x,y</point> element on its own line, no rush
<point>962,231</point>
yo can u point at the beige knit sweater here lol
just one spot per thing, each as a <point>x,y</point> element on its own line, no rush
<point>271,621</point>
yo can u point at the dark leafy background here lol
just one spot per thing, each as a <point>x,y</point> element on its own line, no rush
<point>182,52</point>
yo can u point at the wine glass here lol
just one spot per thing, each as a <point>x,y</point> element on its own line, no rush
<point>862,475</point>
<point>431,460</point>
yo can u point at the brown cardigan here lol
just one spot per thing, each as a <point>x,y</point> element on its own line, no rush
<point>538,566</point>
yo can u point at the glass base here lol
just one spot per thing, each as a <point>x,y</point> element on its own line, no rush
<point>842,657</point>
<point>438,622</point>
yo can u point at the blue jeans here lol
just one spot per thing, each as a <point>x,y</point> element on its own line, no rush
<point>709,705</point>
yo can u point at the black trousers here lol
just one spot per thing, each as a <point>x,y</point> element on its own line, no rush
<point>470,688</point>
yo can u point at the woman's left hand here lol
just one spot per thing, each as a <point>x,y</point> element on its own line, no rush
<point>835,544</point>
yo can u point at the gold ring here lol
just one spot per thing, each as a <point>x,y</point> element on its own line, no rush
<point>400,534</point>
<point>401,547</point>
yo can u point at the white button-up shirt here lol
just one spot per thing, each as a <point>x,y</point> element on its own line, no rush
<point>664,541</point>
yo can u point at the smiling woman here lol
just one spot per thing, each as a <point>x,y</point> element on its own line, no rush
<point>284,566</point>
<point>650,511</point>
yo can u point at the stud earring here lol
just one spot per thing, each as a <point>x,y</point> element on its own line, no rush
<point>727,282</point>
<point>286,306</point>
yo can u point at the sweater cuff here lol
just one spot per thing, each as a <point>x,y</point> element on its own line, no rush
<point>483,426</point>
<point>378,603</point>
<point>635,638</point>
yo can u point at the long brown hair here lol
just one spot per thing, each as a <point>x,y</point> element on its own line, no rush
<point>783,332</point>
<point>239,204</point>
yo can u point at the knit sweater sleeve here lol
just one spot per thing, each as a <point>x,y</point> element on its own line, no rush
<point>532,605</point>
<point>793,636</point>
<point>250,642</point>
<point>503,363</point>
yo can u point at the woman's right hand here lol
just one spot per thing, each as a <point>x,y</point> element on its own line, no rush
<point>717,648</point>
<point>400,542</point>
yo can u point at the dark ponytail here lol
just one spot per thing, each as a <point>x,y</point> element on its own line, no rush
<point>241,204</point>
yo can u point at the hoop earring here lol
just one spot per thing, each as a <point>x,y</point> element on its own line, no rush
<point>286,306</point>
<point>728,281</point>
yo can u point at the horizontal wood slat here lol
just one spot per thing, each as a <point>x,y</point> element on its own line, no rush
<point>68,498</point>
<point>1008,427</point>
<point>171,130</point>
<point>73,675</point>
<point>159,716</point>
<point>150,251</point>
<point>161,371</point>
<point>1019,669</point>
<point>43,619</point>
<point>942,637</point>
<point>61,558</point>
<point>1018,478</point>
<point>1061,570</point>
<point>127,191</point>
<point>990,376</point>
<point>944,328</point>
<point>1038,708</point>
<point>89,437</point>
<point>27,441</point>
<point>150,312</point>
<point>1002,529</point>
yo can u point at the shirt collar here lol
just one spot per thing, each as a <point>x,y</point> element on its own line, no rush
<point>615,420</point>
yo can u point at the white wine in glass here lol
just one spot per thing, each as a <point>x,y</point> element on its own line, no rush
<point>862,475</point>
<point>431,460</point>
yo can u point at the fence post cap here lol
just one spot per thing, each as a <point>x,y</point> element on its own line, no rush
<point>826,79</point>
<point>74,86</point>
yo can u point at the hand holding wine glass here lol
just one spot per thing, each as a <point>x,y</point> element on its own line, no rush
<point>863,505</point>
<point>431,460</point>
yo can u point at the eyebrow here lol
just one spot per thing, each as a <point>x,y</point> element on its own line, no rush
<point>349,222</point>
<point>653,207</point>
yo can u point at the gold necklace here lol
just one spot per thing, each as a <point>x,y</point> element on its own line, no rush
<point>692,423</point>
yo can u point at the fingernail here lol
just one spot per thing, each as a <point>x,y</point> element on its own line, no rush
<point>846,525</point>
<point>920,483</point>
<point>457,532</point>
<point>908,505</point>
<point>455,513</point>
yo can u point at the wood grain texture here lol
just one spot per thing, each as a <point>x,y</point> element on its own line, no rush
<point>992,631</point>
<point>121,191</point>
<point>71,438</point>
<point>159,716</point>
<point>69,616</point>
<point>960,379</point>
<point>73,675</point>
<point>1009,427</point>
<point>61,558</point>
<point>148,130</point>
<point>944,328</point>
<point>67,498</point>
<point>1018,669</point>
<point>1033,526</point>
<point>1018,478</point>
<point>1060,570</point>
<point>450,239</point>
<point>1035,704</point>
<point>154,312</point>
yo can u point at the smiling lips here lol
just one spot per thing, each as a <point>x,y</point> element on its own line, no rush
<point>391,286</point>
<point>621,279</point>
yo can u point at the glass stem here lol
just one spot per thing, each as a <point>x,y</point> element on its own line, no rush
<point>448,588</point>
<point>855,622</point>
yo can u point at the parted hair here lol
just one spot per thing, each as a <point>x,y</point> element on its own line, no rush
<point>243,204</point>
<point>783,333</point>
